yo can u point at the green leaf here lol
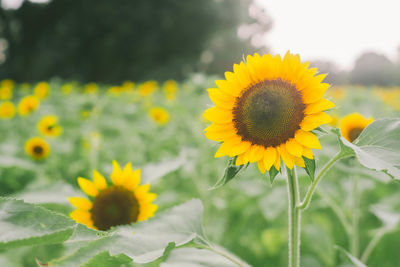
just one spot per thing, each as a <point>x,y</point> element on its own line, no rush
<point>310,167</point>
<point>344,150</point>
<point>231,171</point>
<point>194,257</point>
<point>353,259</point>
<point>378,146</point>
<point>23,224</point>
<point>273,172</point>
<point>145,241</point>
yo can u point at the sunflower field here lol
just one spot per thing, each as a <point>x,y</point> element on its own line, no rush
<point>153,173</point>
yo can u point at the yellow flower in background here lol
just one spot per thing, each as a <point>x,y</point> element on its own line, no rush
<point>170,88</point>
<point>337,93</point>
<point>115,90</point>
<point>128,86</point>
<point>6,89</point>
<point>123,202</point>
<point>27,105</point>
<point>37,148</point>
<point>91,88</point>
<point>266,109</point>
<point>42,90</point>
<point>7,83</point>
<point>335,120</point>
<point>147,88</point>
<point>66,89</point>
<point>48,126</point>
<point>7,110</point>
<point>352,125</point>
<point>159,115</point>
<point>25,88</point>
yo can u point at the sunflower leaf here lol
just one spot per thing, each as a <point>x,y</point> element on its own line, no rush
<point>310,167</point>
<point>353,259</point>
<point>231,171</point>
<point>378,146</point>
<point>344,150</point>
<point>24,224</point>
<point>273,172</point>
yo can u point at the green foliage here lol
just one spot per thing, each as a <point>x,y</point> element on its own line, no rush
<point>231,171</point>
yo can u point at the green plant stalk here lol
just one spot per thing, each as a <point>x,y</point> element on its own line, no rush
<point>294,218</point>
<point>372,244</point>
<point>355,238</point>
<point>307,199</point>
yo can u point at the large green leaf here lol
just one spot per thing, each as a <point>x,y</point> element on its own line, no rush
<point>378,146</point>
<point>145,241</point>
<point>354,260</point>
<point>23,224</point>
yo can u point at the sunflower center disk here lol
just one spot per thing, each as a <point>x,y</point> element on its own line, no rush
<point>268,113</point>
<point>38,150</point>
<point>354,133</point>
<point>114,206</point>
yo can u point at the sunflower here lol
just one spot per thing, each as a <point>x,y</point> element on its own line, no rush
<point>27,105</point>
<point>159,115</point>
<point>147,88</point>
<point>66,89</point>
<point>266,109</point>
<point>123,202</point>
<point>48,126</point>
<point>352,125</point>
<point>91,88</point>
<point>170,88</point>
<point>7,110</point>
<point>6,92</point>
<point>41,90</point>
<point>37,148</point>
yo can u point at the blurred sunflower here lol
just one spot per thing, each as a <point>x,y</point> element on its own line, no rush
<point>7,110</point>
<point>123,202</point>
<point>66,89</point>
<point>6,92</point>
<point>41,90</point>
<point>128,86</point>
<point>352,125</point>
<point>266,109</point>
<point>115,90</point>
<point>48,126</point>
<point>147,88</point>
<point>27,105</point>
<point>91,88</point>
<point>37,148</point>
<point>159,115</point>
<point>170,88</point>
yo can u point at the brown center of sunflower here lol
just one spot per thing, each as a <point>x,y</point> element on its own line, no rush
<point>268,113</point>
<point>354,133</point>
<point>114,206</point>
<point>38,150</point>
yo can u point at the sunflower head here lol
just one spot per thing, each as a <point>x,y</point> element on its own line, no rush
<point>66,89</point>
<point>147,88</point>
<point>27,105</point>
<point>48,126</point>
<point>170,87</point>
<point>266,109</point>
<point>37,148</point>
<point>352,125</point>
<point>91,88</point>
<point>128,86</point>
<point>7,110</point>
<point>42,90</point>
<point>125,201</point>
<point>159,115</point>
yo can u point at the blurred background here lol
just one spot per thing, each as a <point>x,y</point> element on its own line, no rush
<point>110,41</point>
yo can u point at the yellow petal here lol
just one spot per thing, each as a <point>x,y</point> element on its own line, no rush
<point>220,135</point>
<point>127,172</point>
<point>310,122</point>
<point>81,203</point>
<point>319,106</point>
<point>141,191</point>
<point>221,99</point>
<point>256,153</point>
<point>229,87</point>
<point>307,152</point>
<point>277,163</point>
<point>314,93</point>
<point>299,162</point>
<point>242,74</point>
<point>294,148</point>
<point>133,181</point>
<point>261,166</point>
<point>80,216</point>
<point>99,180</point>
<point>223,150</point>
<point>307,139</point>
<point>239,160</point>
<point>239,148</point>
<point>116,175</point>
<point>219,115</point>
<point>288,159</point>
<point>270,156</point>
<point>88,187</point>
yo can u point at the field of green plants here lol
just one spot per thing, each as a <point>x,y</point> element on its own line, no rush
<point>352,220</point>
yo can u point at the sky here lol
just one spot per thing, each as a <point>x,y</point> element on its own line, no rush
<point>336,30</point>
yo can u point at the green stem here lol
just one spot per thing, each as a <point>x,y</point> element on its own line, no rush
<point>294,218</point>
<point>372,244</point>
<point>307,199</point>
<point>354,242</point>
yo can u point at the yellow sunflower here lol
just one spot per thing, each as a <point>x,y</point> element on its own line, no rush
<point>266,109</point>
<point>123,202</point>
<point>147,88</point>
<point>91,88</point>
<point>159,115</point>
<point>66,89</point>
<point>27,105</point>
<point>7,110</point>
<point>37,148</point>
<point>352,125</point>
<point>170,88</point>
<point>48,126</point>
<point>6,92</point>
<point>41,90</point>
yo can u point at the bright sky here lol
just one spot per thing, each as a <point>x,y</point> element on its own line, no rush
<point>337,30</point>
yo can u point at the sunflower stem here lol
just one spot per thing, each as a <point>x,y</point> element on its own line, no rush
<point>294,218</point>
<point>310,192</point>
<point>355,238</point>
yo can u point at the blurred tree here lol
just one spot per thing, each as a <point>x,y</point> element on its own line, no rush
<point>110,41</point>
<point>334,74</point>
